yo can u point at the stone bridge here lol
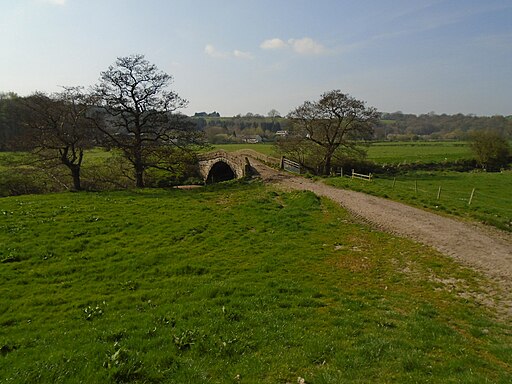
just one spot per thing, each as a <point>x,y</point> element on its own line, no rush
<point>220,165</point>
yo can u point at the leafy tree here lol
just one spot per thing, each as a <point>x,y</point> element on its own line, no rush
<point>273,114</point>
<point>336,121</point>
<point>11,124</point>
<point>137,115</point>
<point>58,130</point>
<point>491,149</point>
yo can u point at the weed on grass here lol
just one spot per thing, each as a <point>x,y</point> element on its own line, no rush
<point>230,283</point>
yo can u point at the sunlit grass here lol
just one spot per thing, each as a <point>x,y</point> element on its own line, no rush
<point>418,152</point>
<point>236,282</point>
<point>268,149</point>
<point>387,152</point>
<point>491,202</point>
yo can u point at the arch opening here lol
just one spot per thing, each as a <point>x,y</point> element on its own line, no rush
<point>220,171</point>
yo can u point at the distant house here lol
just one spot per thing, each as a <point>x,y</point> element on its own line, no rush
<point>252,139</point>
<point>282,133</point>
<point>204,114</point>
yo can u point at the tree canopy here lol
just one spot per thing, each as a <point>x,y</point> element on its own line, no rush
<point>137,115</point>
<point>491,149</point>
<point>333,122</point>
<point>58,130</point>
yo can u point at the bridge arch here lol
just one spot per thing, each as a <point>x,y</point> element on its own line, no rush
<point>221,166</point>
<point>220,171</point>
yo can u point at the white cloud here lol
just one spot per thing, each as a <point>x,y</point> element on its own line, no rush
<point>242,55</point>
<point>210,50</point>
<point>55,2</point>
<point>306,46</point>
<point>273,44</point>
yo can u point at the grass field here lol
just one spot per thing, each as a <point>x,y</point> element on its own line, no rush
<point>381,152</point>
<point>491,203</point>
<point>231,283</point>
<point>265,148</point>
<point>418,152</point>
<point>389,152</point>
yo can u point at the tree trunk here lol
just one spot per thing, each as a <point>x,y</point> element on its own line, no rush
<point>327,165</point>
<point>139,178</point>
<point>75,172</point>
<point>139,174</point>
<point>74,165</point>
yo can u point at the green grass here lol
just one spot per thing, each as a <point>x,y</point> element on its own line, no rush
<point>265,148</point>
<point>388,152</point>
<point>422,152</point>
<point>491,203</point>
<point>7,159</point>
<point>231,283</point>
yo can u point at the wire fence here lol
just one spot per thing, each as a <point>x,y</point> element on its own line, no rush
<point>442,192</point>
<point>485,197</point>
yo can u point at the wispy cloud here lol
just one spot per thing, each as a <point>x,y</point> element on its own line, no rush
<point>501,42</point>
<point>242,55</point>
<point>429,17</point>
<point>273,44</point>
<point>211,51</point>
<point>303,46</point>
<point>307,46</point>
<point>54,2</point>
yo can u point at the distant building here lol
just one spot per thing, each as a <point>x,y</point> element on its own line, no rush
<point>252,139</point>
<point>204,114</point>
<point>282,133</point>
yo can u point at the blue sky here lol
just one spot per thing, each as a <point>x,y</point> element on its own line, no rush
<point>239,56</point>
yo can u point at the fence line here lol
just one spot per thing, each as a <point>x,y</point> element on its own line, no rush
<point>361,176</point>
<point>439,192</point>
<point>290,165</point>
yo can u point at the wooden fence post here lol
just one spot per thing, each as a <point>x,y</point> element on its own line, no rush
<point>439,193</point>
<point>471,197</point>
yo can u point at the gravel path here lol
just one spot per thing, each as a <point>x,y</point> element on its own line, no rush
<point>479,247</point>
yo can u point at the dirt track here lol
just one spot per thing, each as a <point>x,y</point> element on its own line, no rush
<point>479,247</point>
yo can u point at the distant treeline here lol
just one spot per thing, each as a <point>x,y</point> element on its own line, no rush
<point>220,130</point>
<point>392,126</point>
<point>11,124</point>
<point>399,126</point>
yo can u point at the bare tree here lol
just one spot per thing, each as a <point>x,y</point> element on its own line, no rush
<point>137,115</point>
<point>335,121</point>
<point>58,130</point>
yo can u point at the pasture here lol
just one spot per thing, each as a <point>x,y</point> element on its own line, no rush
<point>231,283</point>
<point>388,152</point>
<point>418,152</point>
<point>265,148</point>
<point>445,192</point>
